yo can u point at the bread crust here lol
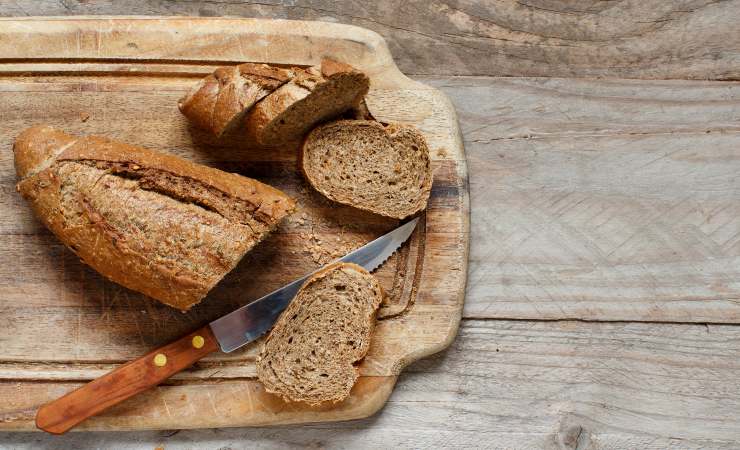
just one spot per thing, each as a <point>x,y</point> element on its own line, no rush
<point>107,250</point>
<point>268,112</point>
<point>220,99</point>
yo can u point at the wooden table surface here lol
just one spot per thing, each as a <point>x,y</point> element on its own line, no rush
<point>603,301</point>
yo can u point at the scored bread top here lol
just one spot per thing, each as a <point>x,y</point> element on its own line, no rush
<point>384,169</point>
<point>37,147</point>
<point>269,201</point>
<point>311,353</point>
<point>155,223</point>
<point>313,95</point>
<point>220,100</point>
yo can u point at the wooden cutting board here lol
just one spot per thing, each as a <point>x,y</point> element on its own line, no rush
<point>63,324</point>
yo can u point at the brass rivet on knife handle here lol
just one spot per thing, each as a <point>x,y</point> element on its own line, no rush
<point>198,341</point>
<point>126,381</point>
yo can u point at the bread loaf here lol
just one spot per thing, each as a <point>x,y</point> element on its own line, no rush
<point>219,101</point>
<point>314,95</point>
<point>384,169</point>
<point>312,352</point>
<point>152,222</point>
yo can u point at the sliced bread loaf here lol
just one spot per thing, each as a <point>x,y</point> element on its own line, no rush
<point>219,101</point>
<point>152,222</point>
<point>312,351</point>
<point>314,95</point>
<point>384,169</point>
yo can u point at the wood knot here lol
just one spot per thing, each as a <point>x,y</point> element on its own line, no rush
<point>573,437</point>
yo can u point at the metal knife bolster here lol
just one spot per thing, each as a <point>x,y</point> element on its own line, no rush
<point>253,320</point>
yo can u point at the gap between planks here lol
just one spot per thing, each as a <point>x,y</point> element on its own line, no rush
<point>576,319</point>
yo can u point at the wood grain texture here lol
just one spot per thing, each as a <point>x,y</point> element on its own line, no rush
<point>602,200</point>
<point>694,39</point>
<point>521,385</point>
<point>122,78</point>
<point>689,408</point>
<point>240,402</point>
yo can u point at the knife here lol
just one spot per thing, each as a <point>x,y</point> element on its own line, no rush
<point>226,334</point>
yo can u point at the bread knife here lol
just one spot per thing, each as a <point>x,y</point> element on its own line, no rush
<point>226,334</point>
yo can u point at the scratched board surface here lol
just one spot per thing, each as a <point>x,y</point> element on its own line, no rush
<point>65,324</point>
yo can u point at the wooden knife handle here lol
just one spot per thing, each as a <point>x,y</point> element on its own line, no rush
<point>61,415</point>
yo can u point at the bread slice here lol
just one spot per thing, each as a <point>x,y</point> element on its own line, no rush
<point>152,222</point>
<point>384,169</point>
<point>314,95</point>
<point>312,352</point>
<point>219,101</point>
<point>359,112</point>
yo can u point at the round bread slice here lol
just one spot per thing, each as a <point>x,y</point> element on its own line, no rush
<point>312,351</point>
<point>314,95</point>
<point>384,169</point>
<point>219,101</point>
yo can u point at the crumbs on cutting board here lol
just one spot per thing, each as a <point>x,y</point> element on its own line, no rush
<point>324,249</point>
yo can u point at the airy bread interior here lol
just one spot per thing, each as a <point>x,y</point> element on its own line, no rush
<point>311,353</point>
<point>380,168</point>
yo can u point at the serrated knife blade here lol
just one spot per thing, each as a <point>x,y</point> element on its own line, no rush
<point>253,320</point>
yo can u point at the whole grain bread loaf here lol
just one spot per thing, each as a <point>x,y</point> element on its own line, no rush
<point>152,222</point>
<point>312,96</point>
<point>312,351</point>
<point>220,100</point>
<point>384,169</point>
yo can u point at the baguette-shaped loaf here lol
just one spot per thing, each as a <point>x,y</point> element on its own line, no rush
<point>384,169</point>
<point>312,351</point>
<point>152,222</point>
<point>220,100</point>
<point>312,96</point>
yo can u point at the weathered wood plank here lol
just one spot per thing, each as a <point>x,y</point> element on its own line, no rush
<point>696,39</point>
<point>524,385</point>
<point>605,200</point>
<point>492,109</point>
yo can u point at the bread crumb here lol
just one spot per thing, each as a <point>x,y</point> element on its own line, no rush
<point>84,117</point>
<point>442,153</point>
